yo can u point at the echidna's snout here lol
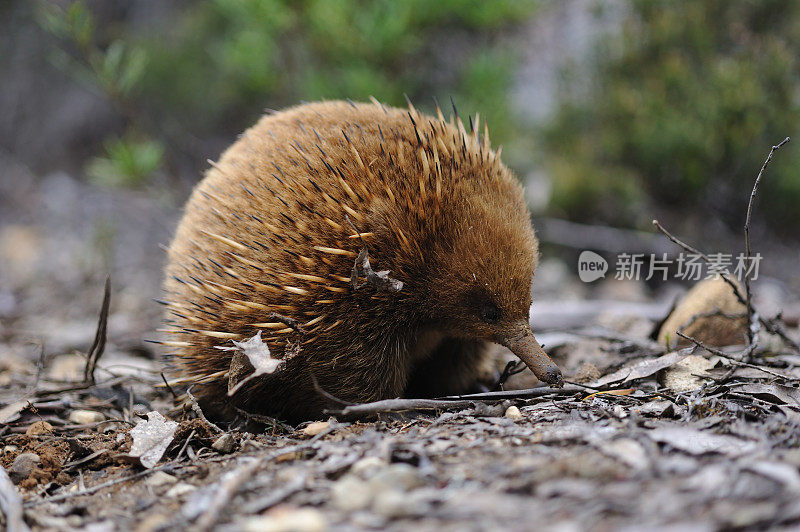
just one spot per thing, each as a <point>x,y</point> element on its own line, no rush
<point>522,343</point>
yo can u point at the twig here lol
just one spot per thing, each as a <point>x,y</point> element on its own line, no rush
<point>185,444</point>
<point>599,238</point>
<point>199,411</point>
<point>769,325</point>
<point>99,343</point>
<point>445,403</point>
<point>265,420</point>
<point>752,335</point>
<point>774,326</point>
<point>11,504</point>
<point>399,405</point>
<point>735,361</point>
<point>512,368</point>
<point>163,378</point>
<point>725,276</point>
<point>286,320</point>
<point>539,391</point>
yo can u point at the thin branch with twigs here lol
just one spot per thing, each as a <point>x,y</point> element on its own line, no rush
<point>752,332</point>
<point>754,320</point>
<point>733,360</point>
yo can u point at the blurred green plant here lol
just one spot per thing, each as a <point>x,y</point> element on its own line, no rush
<point>127,162</point>
<point>223,61</point>
<point>115,71</point>
<point>684,106</point>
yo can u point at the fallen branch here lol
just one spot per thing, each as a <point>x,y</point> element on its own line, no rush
<point>446,403</point>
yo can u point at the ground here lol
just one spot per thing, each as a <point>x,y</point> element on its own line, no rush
<point>643,437</point>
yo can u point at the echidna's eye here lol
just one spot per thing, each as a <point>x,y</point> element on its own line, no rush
<point>490,313</point>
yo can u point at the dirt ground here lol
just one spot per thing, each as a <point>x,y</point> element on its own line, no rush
<point>643,438</point>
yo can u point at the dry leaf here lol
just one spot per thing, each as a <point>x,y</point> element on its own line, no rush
<point>642,369</point>
<point>252,355</point>
<point>697,442</point>
<point>151,438</point>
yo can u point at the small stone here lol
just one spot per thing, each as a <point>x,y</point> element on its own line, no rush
<point>396,476</point>
<point>513,413</point>
<point>315,428</point>
<point>394,503</point>
<point>224,444</point>
<point>628,451</point>
<point>287,519</point>
<point>39,427</point>
<point>85,417</point>
<point>66,368</point>
<point>367,466</point>
<point>180,489</point>
<point>8,449</point>
<point>683,376</point>
<point>160,478</point>
<point>23,466</point>
<point>351,493</point>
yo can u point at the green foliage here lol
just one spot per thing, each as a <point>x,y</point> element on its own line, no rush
<point>116,71</point>
<point>684,107</point>
<point>128,162</point>
<point>221,62</point>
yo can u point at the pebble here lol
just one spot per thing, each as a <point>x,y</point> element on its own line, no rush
<point>39,427</point>
<point>224,444</point>
<point>180,489</point>
<point>23,466</point>
<point>350,493</point>
<point>85,417</point>
<point>160,478</point>
<point>284,519</point>
<point>513,413</point>
<point>66,368</point>
<point>315,428</point>
<point>8,449</point>
<point>396,476</point>
<point>367,466</point>
<point>394,503</point>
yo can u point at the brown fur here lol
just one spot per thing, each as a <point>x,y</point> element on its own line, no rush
<point>272,228</point>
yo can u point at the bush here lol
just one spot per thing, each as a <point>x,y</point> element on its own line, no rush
<point>683,108</point>
<point>212,70</point>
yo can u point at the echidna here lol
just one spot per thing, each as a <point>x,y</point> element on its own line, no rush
<point>286,234</point>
